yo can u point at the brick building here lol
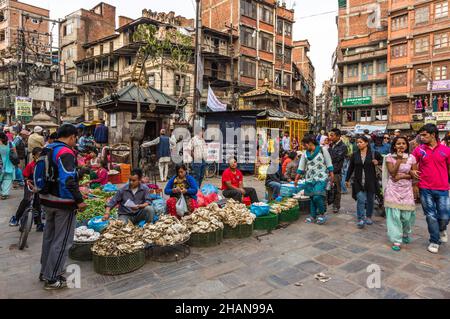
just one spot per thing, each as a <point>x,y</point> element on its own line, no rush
<point>77,30</point>
<point>263,42</point>
<point>419,53</point>
<point>17,20</point>
<point>307,85</point>
<point>362,62</point>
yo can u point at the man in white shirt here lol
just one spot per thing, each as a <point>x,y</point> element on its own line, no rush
<point>286,142</point>
<point>199,151</point>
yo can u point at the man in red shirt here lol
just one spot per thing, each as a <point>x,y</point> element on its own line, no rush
<point>28,176</point>
<point>233,184</point>
<point>433,175</point>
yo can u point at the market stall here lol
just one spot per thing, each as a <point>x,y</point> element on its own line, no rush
<point>115,247</point>
<point>271,125</point>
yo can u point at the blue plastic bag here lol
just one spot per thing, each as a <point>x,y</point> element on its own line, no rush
<point>155,196</point>
<point>110,188</point>
<point>259,211</point>
<point>208,189</point>
<point>288,190</point>
<point>97,224</point>
<point>141,224</point>
<point>160,206</point>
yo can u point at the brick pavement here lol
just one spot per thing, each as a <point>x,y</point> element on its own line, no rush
<point>280,265</point>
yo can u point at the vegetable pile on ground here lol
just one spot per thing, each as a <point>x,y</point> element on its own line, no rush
<point>167,231</point>
<point>278,208</point>
<point>84,235</point>
<point>94,208</point>
<point>235,213</point>
<point>204,219</point>
<point>119,239</point>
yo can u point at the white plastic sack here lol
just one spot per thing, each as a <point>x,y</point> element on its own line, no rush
<point>181,206</point>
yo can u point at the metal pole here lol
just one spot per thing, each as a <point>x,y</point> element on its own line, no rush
<point>58,76</point>
<point>430,104</point>
<point>197,55</point>
<point>233,98</point>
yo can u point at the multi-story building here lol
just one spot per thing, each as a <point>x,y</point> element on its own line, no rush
<point>217,55</point>
<point>262,46</point>
<point>78,31</point>
<point>105,65</point>
<point>322,113</point>
<point>362,62</point>
<point>21,26</point>
<point>419,62</point>
<point>304,64</point>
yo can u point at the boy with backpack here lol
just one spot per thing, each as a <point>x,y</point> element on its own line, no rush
<point>56,179</point>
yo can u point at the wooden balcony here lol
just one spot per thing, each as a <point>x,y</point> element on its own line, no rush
<point>104,76</point>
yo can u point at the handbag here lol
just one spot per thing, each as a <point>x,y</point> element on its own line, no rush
<point>13,157</point>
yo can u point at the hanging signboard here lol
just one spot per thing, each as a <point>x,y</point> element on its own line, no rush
<point>443,85</point>
<point>364,100</point>
<point>23,106</point>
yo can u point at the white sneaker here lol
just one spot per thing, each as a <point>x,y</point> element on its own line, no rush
<point>433,248</point>
<point>444,237</point>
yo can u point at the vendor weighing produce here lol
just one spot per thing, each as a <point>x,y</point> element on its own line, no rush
<point>134,201</point>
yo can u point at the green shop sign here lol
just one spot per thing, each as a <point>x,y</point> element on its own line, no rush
<point>364,100</point>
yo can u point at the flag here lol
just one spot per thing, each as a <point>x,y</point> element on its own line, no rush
<point>213,102</point>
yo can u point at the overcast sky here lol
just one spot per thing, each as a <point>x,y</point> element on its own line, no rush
<point>319,30</point>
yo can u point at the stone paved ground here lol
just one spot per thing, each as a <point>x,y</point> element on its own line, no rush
<point>280,265</point>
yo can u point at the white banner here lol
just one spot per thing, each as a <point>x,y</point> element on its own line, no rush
<point>213,102</point>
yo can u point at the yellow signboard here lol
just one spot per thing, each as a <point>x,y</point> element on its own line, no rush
<point>442,116</point>
<point>24,106</point>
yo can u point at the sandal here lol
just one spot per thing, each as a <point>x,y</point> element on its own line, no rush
<point>321,220</point>
<point>396,247</point>
<point>309,220</point>
<point>406,240</point>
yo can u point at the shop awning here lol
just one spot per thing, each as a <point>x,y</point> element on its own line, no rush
<point>359,129</point>
<point>399,126</point>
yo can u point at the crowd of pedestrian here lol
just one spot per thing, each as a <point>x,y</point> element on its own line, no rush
<point>397,171</point>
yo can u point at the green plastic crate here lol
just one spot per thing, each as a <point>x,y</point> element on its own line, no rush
<point>290,215</point>
<point>268,222</point>
<point>240,231</point>
<point>118,265</point>
<point>206,239</point>
<point>304,206</point>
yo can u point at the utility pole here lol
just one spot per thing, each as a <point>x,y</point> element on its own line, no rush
<point>230,31</point>
<point>197,58</point>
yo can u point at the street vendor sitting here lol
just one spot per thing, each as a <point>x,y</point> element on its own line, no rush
<point>233,184</point>
<point>274,180</point>
<point>102,175</point>
<point>181,184</point>
<point>133,200</point>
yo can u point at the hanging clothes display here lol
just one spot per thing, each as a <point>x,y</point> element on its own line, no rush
<point>418,105</point>
<point>440,103</point>
<point>446,103</point>
<point>425,103</point>
<point>435,104</point>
